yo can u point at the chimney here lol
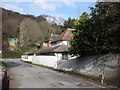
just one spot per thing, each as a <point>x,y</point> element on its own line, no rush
<point>52,34</point>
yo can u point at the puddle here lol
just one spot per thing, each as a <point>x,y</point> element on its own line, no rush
<point>84,85</point>
<point>57,84</point>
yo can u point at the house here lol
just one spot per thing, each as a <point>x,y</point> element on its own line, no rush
<point>58,46</point>
<point>63,38</point>
<point>55,51</point>
<point>12,43</point>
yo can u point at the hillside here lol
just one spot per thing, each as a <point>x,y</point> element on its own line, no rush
<point>33,29</point>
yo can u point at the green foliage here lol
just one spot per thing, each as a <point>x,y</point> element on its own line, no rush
<point>97,33</point>
<point>11,54</point>
<point>68,24</point>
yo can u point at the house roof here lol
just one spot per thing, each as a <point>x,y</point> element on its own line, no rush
<point>58,49</point>
<point>53,37</point>
<point>66,35</point>
<point>31,52</point>
<point>12,40</point>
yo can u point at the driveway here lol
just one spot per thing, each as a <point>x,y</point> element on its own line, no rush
<point>25,75</point>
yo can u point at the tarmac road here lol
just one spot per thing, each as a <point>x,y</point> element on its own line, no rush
<point>25,75</point>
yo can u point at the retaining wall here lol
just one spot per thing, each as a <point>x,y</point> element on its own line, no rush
<point>95,66</point>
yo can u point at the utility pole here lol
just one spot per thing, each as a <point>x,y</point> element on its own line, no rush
<point>118,69</point>
<point>0,33</point>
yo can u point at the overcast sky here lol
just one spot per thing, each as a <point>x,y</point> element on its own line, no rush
<point>61,8</point>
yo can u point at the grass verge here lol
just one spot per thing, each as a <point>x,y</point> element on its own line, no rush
<point>11,54</point>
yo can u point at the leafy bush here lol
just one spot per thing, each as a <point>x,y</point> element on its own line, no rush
<point>94,33</point>
<point>11,54</point>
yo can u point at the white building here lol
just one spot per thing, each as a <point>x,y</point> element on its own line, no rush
<point>63,38</point>
<point>55,52</point>
<point>59,46</point>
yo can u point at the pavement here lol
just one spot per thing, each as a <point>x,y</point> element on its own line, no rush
<point>24,75</point>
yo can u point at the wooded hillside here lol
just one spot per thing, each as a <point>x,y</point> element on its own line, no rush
<point>33,29</point>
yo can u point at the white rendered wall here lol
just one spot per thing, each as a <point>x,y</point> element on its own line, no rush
<point>27,58</point>
<point>49,61</point>
<point>60,43</point>
<point>30,58</point>
<point>56,43</point>
<point>64,42</point>
<point>59,56</point>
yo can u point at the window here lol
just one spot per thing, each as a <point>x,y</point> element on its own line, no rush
<point>64,56</point>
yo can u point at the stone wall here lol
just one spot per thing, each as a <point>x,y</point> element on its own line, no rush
<point>96,65</point>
